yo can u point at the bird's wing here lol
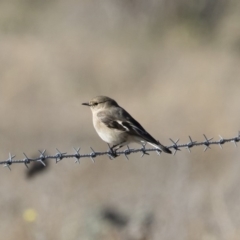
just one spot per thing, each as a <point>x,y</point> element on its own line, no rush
<point>111,122</point>
<point>136,129</point>
<point>123,121</point>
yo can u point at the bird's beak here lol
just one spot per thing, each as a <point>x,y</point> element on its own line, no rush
<point>86,104</point>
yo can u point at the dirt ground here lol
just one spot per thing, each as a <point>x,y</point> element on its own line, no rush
<point>174,67</point>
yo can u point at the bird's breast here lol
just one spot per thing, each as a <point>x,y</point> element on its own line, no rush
<point>109,135</point>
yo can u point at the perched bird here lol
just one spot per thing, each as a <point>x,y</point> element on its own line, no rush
<point>117,127</point>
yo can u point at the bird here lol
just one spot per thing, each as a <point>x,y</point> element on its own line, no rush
<point>117,127</point>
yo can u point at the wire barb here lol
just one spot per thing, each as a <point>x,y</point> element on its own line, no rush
<point>42,157</point>
<point>111,153</point>
<point>9,161</point>
<point>207,143</point>
<point>190,144</point>
<point>59,155</point>
<point>127,152</point>
<point>77,155</point>
<point>236,139</point>
<point>92,155</point>
<point>143,149</point>
<point>221,141</point>
<point>26,160</point>
<point>175,146</point>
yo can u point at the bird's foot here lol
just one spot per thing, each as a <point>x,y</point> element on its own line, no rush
<point>112,153</point>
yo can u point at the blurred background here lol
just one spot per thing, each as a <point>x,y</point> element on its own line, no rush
<point>176,59</point>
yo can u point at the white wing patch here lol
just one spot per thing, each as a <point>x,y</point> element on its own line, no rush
<point>130,127</point>
<point>121,123</point>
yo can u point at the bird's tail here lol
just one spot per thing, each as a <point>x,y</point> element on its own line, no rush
<point>161,147</point>
<point>165,149</point>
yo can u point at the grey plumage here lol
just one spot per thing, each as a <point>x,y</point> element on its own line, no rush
<point>116,126</point>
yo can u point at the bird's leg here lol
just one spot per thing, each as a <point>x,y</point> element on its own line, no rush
<point>118,146</point>
<point>114,148</point>
<point>112,152</point>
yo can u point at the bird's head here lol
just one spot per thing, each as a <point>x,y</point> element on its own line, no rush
<point>100,102</point>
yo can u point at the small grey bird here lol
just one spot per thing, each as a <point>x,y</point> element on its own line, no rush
<point>117,127</point>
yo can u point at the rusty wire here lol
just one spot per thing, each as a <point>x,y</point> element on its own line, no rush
<point>58,156</point>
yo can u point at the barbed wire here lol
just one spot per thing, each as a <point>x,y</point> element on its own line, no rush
<point>112,154</point>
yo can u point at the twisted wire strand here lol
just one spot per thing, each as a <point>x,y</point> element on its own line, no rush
<point>58,156</point>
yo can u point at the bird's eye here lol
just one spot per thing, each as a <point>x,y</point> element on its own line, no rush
<point>95,104</point>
